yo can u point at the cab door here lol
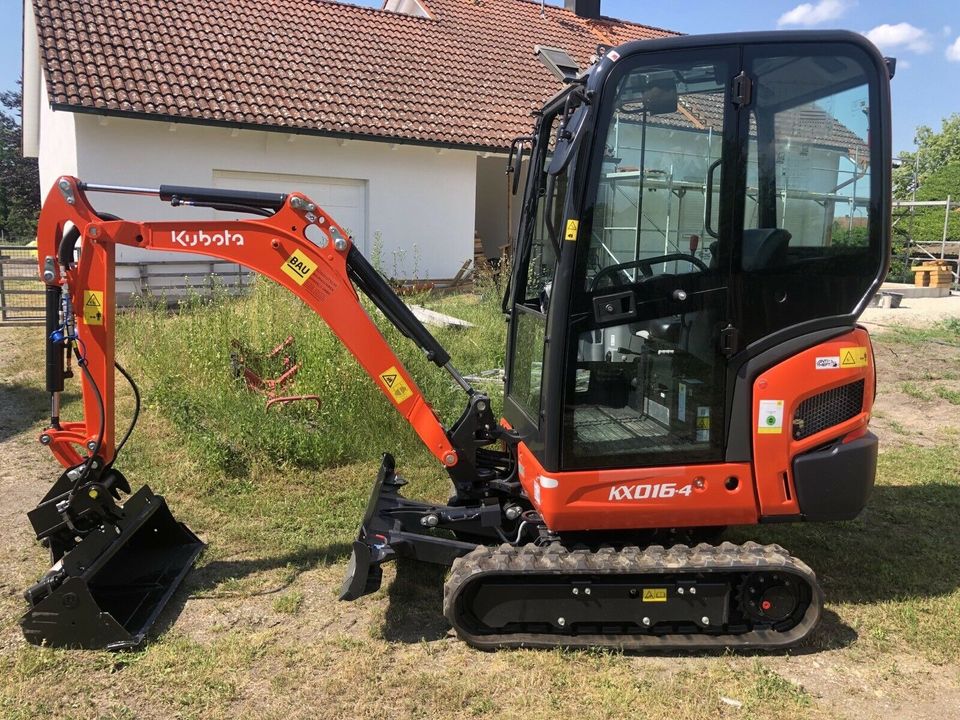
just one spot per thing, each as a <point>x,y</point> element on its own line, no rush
<point>814,242</point>
<point>648,325</point>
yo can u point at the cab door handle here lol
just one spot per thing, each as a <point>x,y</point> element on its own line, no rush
<point>728,340</point>
<point>708,210</point>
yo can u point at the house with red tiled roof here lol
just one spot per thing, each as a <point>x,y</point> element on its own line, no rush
<point>396,120</point>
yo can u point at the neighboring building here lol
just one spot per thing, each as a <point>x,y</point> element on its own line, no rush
<point>396,120</point>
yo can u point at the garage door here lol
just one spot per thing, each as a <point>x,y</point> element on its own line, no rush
<point>345,200</point>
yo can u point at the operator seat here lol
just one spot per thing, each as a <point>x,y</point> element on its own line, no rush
<point>764,248</point>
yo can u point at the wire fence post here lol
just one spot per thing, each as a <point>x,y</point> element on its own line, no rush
<point>3,299</point>
<point>946,224</point>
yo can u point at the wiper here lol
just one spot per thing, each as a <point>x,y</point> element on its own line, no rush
<point>552,230</point>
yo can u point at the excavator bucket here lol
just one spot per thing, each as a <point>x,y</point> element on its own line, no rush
<point>107,590</point>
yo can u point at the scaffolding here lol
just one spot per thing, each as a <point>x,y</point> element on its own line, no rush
<point>946,250</point>
<point>670,231</point>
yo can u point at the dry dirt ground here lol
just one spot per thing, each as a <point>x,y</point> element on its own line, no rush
<point>236,655</point>
<point>914,312</point>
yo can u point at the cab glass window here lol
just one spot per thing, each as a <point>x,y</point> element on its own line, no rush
<point>810,246</point>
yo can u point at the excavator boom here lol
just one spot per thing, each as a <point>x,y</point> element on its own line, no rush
<point>298,246</point>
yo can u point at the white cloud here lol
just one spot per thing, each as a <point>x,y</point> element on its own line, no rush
<point>953,51</point>
<point>947,31</point>
<point>903,64</point>
<point>901,35</point>
<point>814,14</point>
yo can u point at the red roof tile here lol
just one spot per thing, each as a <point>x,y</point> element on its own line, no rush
<point>466,76</point>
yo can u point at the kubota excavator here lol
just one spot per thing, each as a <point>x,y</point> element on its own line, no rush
<point>658,388</point>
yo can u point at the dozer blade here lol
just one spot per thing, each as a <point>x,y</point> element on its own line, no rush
<point>107,591</point>
<point>391,528</point>
<point>371,548</point>
<point>363,575</point>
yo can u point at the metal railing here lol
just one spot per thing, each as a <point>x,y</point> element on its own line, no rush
<point>174,280</point>
<point>21,292</point>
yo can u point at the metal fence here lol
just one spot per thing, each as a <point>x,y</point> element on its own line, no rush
<point>174,280</point>
<point>21,292</point>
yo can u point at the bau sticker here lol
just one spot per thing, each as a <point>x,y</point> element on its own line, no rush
<point>771,417</point>
<point>299,267</point>
<point>827,363</point>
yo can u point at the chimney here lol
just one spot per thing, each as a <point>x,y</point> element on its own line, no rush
<point>589,9</point>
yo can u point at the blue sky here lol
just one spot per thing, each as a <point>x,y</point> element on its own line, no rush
<point>924,36</point>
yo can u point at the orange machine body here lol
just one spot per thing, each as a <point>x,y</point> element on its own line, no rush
<point>720,493</point>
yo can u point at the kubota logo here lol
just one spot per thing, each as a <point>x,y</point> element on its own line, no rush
<point>648,492</point>
<point>200,238</point>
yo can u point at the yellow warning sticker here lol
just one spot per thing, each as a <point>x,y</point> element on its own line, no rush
<point>299,267</point>
<point>573,227</point>
<point>93,307</point>
<point>853,357</point>
<point>654,594</point>
<point>395,384</point>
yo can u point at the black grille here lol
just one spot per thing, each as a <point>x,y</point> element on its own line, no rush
<point>828,409</point>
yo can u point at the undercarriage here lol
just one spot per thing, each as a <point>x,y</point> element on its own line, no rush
<point>539,590</point>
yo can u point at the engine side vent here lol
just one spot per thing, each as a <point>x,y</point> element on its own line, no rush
<point>828,409</point>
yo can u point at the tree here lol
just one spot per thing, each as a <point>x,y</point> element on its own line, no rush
<point>930,173</point>
<point>935,150</point>
<point>19,177</point>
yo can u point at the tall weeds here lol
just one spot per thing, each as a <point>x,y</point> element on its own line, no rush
<point>182,360</point>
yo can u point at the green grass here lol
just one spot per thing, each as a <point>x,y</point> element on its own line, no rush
<point>278,497</point>
<point>951,396</point>
<point>946,331</point>
<point>185,366</point>
<point>914,390</point>
<point>288,604</point>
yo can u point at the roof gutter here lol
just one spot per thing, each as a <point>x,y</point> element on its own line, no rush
<point>388,140</point>
<point>30,123</point>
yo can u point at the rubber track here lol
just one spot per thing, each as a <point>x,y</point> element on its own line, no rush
<point>557,560</point>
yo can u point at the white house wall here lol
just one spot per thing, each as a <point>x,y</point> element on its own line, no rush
<point>58,143</point>
<point>419,204</point>
<point>493,227</point>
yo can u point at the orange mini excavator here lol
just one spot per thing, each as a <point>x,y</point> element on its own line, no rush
<point>658,388</point>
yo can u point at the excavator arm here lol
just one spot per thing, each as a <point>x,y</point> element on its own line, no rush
<point>298,246</point>
<point>115,566</point>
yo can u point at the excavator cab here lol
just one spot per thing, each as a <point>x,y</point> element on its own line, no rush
<point>697,211</point>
